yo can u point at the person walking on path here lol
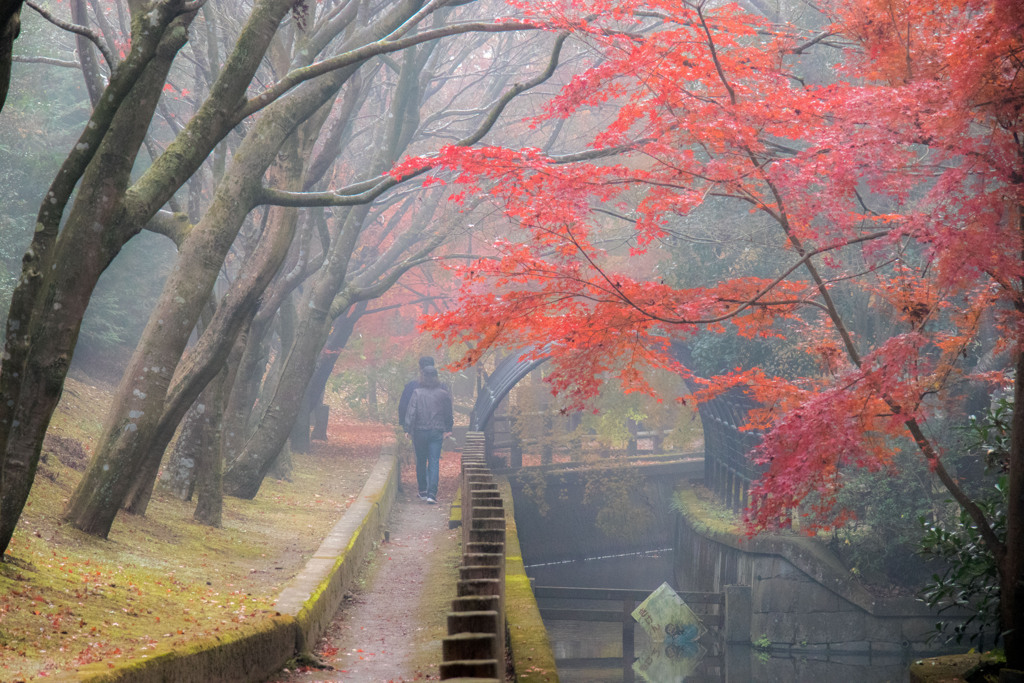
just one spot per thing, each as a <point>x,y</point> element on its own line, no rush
<point>428,418</point>
<point>403,407</point>
<point>411,386</point>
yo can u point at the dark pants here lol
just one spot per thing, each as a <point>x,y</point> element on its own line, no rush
<point>428,459</point>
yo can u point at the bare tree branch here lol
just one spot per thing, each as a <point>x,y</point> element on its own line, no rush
<point>47,60</point>
<point>363,53</point>
<point>368,190</point>
<point>80,30</point>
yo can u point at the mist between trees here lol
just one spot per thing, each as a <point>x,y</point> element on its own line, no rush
<point>825,206</point>
<point>259,145</point>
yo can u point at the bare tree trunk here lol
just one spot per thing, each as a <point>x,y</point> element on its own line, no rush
<point>321,421</point>
<point>87,56</point>
<point>59,273</point>
<point>142,404</point>
<point>140,399</point>
<point>209,464</point>
<point>10,27</point>
<point>1011,565</point>
<point>281,466</point>
<point>298,438</point>
<point>313,409</point>
<point>48,304</point>
<point>210,461</point>
<point>1011,568</point>
<point>179,477</point>
<point>143,400</point>
<point>182,465</point>
<point>260,268</point>
<point>286,326</point>
<point>245,473</point>
<point>244,391</point>
<point>328,298</point>
<point>324,302</point>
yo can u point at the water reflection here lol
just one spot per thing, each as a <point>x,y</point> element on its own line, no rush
<point>666,662</point>
<point>589,651</point>
<point>587,640</point>
<point>603,652</point>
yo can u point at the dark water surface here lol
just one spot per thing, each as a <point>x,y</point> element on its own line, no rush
<point>589,652</point>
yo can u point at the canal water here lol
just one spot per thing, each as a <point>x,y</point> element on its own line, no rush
<point>593,652</point>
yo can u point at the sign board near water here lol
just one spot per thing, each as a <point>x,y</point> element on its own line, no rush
<point>674,631</point>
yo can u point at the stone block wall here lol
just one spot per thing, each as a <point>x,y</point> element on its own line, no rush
<point>802,599</point>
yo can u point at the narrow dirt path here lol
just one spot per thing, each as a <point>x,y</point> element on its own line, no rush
<point>390,626</point>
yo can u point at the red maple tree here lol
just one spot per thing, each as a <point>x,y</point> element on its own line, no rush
<point>898,169</point>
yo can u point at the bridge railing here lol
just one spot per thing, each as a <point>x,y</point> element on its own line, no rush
<point>728,466</point>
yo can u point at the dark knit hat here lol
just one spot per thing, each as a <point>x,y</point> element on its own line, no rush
<point>426,361</point>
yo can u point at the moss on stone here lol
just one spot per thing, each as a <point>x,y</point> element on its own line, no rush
<point>317,610</point>
<point>706,517</point>
<point>455,511</point>
<point>529,647</point>
<point>232,655</point>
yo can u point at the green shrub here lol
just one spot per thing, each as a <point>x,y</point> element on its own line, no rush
<point>970,579</point>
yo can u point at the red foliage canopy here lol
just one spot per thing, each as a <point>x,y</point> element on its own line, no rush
<point>907,164</point>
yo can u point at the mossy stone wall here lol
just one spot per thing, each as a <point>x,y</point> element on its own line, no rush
<point>529,647</point>
<point>802,599</point>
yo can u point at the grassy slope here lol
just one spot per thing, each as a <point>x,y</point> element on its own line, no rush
<point>68,599</point>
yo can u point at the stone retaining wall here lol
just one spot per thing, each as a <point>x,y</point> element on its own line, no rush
<point>313,596</point>
<point>795,594</point>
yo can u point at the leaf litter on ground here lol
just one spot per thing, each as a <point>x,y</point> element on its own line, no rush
<point>68,599</point>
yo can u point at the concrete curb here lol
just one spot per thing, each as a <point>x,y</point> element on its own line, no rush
<point>313,596</point>
<point>253,652</point>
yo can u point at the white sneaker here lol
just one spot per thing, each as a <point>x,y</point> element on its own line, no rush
<point>430,499</point>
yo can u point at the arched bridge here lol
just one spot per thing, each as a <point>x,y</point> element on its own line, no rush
<point>728,468</point>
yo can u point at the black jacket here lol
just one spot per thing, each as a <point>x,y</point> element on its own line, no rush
<point>430,409</point>
<point>403,402</point>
